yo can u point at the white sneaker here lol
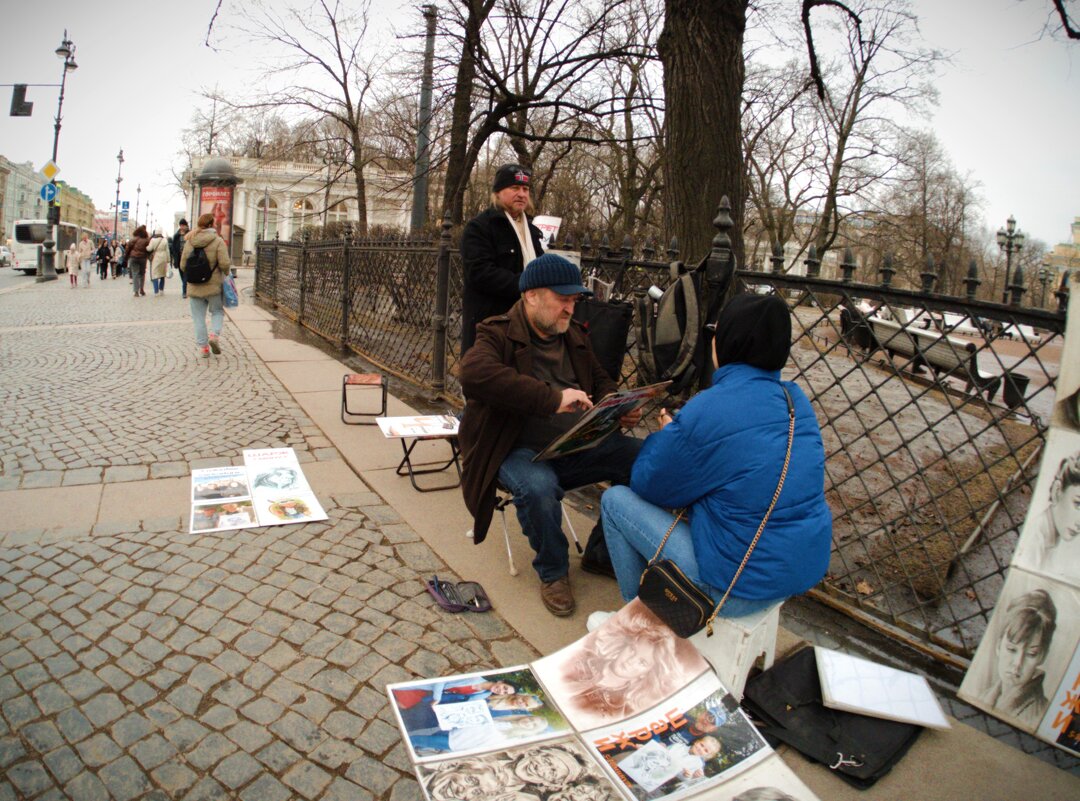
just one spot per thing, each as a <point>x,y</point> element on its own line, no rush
<point>597,619</point>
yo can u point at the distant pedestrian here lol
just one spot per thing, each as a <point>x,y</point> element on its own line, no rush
<point>207,297</point>
<point>86,257</point>
<point>158,251</point>
<point>176,247</point>
<point>71,264</point>
<point>135,256</point>
<point>104,255</point>
<point>117,255</point>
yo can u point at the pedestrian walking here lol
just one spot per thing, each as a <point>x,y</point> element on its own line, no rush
<point>135,257</point>
<point>114,259</point>
<point>158,251</point>
<point>176,247</point>
<point>86,257</point>
<point>71,264</point>
<point>104,255</point>
<point>207,296</point>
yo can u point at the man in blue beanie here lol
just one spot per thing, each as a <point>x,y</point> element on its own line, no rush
<point>528,378</point>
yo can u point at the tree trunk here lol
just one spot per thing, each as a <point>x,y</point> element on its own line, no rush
<point>701,50</point>
<point>458,167</point>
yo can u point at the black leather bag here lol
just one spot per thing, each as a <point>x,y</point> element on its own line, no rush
<point>608,325</point>
<point>672,596</point>
<point>785,704</point>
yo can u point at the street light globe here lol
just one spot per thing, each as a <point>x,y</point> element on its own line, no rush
<point>1018,240</point>
<point>1002,237</point>
<point>70,65</point>
<point>64,50</point>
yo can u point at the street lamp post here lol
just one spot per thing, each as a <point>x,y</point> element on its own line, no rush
<point>1045,272</point>
<point>116,214</point>
<point>1011,241</point>
<point>47,268</point>
<point>138,191</point>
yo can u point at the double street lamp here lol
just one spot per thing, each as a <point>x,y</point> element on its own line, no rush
<point>1011,241</point>
<point>66,53</point>
<point>1045,273</point>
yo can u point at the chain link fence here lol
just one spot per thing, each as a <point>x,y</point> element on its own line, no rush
<point>933,408</point>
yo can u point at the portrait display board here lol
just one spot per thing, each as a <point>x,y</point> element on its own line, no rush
<point>630,711</point>
<point>1026,670</point>
<point>218,200</point>
<point>268,490</point>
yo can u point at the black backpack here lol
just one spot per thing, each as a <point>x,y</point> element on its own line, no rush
<point>198,269</point>
<point>669,341</point>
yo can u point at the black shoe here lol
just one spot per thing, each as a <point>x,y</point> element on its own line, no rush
<point>590,563</point>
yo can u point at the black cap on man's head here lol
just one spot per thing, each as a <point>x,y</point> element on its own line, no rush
<point>182,222</point>
<point>511,175</point>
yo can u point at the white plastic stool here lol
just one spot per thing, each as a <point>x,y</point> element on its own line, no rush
<point>736,644</point>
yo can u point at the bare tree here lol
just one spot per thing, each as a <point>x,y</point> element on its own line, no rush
<point>524,57</point>
<point>317,56</point>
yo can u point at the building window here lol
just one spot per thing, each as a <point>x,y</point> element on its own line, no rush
<point>266,223</point>
<point>303,214</point>
<point>338,213</point>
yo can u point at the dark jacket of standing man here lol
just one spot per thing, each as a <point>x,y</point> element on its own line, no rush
<point>176,247</point>
<point>495,247</point>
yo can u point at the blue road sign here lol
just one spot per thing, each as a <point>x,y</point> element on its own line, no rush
<point>124,215</point>
<point>48,192</point>
<point>125,205</point>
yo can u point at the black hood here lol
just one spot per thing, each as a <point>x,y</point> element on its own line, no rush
<point>755,330</point>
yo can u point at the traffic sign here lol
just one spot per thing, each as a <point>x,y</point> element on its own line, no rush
<point>48,192</point>
<point>124,216</point>
<point>125,205</point>
<point>50,170</point>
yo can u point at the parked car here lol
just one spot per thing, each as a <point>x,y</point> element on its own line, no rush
<point>5,256</point>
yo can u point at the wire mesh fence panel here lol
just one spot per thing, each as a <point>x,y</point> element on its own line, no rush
<point>324,282</point>
<point>290,259</point>
<point>391,305</point>
<point>933,421</point>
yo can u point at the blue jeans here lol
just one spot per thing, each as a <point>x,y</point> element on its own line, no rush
<point>634,528</point>
<point>159,284</point>
<point>199,307</point>
<point>538,489</point>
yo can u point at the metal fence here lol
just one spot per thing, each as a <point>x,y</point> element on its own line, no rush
<point>933,408</point>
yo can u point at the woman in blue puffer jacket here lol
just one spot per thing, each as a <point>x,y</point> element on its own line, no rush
<point>721,458</point>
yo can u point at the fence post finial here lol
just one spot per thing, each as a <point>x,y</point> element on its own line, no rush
<point>627,246</point>
<point>812,262</point>
<point>972,281</point>
<point>887,270</point>
<point>673,249</point>
<point>1017,288</point>
<point>848,265</point>
<point>777,258</point>
<point>586,244</point>
<point>929,274</point>
<point>1062,293</point>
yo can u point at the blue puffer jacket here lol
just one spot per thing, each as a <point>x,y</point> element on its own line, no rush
<point>722,456</point>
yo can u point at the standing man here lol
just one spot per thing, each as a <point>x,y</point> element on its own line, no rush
<point>176,247</point>
<point>495,247</point>
<point>528,378</point>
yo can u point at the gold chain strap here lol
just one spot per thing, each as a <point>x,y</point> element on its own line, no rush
<point>764,520</point>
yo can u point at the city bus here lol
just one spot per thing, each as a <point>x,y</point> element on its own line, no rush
<point>26,239</point>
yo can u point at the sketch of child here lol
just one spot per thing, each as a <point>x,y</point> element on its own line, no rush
<point>548,768</point>
<point>1017,688</point>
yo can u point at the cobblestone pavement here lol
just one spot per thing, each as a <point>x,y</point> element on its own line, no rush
<point>140,661</point>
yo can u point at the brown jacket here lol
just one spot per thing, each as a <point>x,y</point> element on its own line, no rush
<point>500,393</point>
<point>216,252</point>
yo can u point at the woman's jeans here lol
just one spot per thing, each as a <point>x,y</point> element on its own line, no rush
<point>199,307</point>
<point>634,529</point>
<point>85,268</point>
<point>138,274</point>
<point>159,284</point>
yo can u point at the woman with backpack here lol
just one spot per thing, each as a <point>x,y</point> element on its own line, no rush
<point>136,259</point>
<point>203,261</point>
<point>158,250</point>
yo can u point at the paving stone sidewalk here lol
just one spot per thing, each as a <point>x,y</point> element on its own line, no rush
<point>140,661</point>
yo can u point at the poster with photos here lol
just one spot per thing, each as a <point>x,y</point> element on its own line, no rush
<point>510,734</point>
<point>269,489</point>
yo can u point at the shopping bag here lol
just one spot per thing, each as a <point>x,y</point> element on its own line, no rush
<point>228,289</point>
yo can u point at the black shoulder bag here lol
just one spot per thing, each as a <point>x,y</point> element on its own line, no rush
<point>677,600</point>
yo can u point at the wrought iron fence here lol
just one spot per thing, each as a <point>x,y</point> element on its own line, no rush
<point>933,408</point>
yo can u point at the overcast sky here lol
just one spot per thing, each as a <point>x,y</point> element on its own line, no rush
<point>1009,111</point>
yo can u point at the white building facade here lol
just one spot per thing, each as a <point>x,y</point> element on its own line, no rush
<point>281,197</point>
